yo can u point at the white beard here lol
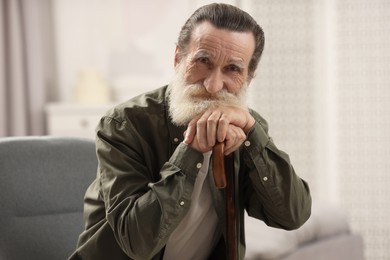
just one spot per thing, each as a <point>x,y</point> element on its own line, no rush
<point>188,101</point>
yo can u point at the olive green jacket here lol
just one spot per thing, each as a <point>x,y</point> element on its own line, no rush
<point>146,176</point>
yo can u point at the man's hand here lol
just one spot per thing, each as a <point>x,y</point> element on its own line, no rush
<point>222,124</point>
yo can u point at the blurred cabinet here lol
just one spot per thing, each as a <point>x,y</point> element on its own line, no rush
<point>67,119</point>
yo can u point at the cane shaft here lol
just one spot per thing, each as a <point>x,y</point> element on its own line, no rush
<point>231,221</point>
<point>223,170</point>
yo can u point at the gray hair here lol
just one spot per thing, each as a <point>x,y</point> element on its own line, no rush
<point>224,16</point>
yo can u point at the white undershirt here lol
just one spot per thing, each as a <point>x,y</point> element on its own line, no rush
<point>196,234</point>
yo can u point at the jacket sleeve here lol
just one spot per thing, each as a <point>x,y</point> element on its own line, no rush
<point>274,193</point>
<point>141,210</point>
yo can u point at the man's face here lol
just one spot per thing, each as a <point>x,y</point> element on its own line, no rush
<point>219,59</point>
<point>213,72</point>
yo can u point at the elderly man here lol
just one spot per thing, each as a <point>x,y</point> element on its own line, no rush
<point>153,197</point>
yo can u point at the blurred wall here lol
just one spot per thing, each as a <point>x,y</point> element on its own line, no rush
<point>129,43</point>
<point>322,84</point>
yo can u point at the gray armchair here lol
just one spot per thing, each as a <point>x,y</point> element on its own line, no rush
<point>42,185</point>
<point>325,236</point>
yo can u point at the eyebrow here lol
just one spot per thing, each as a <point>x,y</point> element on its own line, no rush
<point>202,54</point>
<point>238,62</point>
<point>235,61</point>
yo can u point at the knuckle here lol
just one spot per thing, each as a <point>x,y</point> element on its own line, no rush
<point>211,121</point>
<point>201,122</point>
<point>223,121</point>
<point>192,123</point>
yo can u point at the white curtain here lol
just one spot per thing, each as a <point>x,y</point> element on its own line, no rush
<point>27,67</point>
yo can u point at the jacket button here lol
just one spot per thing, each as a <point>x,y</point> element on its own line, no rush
<point>181,203</point>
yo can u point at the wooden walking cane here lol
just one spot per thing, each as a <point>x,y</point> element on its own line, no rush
<point>223,170</point>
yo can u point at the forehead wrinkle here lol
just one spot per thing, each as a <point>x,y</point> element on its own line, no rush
<point>216,47</point>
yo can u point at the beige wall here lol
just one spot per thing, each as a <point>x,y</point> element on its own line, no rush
<point>322,84</point>
<point>130,43</point>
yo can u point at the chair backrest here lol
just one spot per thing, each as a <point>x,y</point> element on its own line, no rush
<point>42,184</point>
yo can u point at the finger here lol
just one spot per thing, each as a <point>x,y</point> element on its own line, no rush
<point>230,139</point>
<point>235,138</point>
<point>212,123</point>
<point>223,124</point>
<point>201,130</point>
<point>190,132</point>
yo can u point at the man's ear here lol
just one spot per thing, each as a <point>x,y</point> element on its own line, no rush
<point>249,81</point>
<point>177,58</point>
<point>250,77</point>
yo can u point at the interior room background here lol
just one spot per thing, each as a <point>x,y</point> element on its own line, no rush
<point>322,83</point>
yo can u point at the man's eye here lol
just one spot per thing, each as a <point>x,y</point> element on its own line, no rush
<point>204,60</point>
<point>233,68</point>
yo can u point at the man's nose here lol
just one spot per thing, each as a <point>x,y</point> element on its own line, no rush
<point>214,82</point>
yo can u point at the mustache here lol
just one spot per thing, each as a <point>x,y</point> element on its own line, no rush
<point>198,92</point>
